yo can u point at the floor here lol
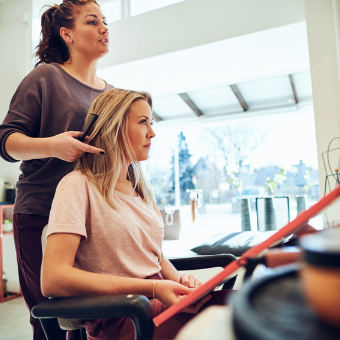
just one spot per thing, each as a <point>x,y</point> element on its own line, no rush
<point>14,320</point>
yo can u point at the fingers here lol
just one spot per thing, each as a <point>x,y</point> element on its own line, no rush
<point>197,283</point>
<point>183,290</point>
<point>190,281</point>
<point>201,302</point>
<point>194,308</point>
<point>89,148</point>
<point>83,147</point>
<point>184,280</point>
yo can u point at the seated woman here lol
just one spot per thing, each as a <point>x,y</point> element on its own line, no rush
<point>105,231</point>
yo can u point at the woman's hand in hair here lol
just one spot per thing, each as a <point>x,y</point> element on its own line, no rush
<point>170,292</point>
<point>67,147</point>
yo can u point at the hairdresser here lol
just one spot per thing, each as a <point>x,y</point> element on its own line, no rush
<point>45,116</point>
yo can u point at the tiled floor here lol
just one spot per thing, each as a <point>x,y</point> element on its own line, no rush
<point>14,320</point>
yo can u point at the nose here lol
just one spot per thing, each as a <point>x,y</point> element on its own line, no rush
<point>151,133</point>
<point>104,29</point>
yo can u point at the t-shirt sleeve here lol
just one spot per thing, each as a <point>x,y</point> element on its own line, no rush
<point>70,207</point>
<point>24,114</point>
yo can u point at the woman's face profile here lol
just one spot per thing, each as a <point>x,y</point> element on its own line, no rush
<point>140,130</point>
<point>90,34</point>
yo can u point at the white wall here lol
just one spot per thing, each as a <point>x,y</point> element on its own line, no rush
<point>193,23</point>
<point>15,61</point>
<point>322,19</point>
<point>277,51</point>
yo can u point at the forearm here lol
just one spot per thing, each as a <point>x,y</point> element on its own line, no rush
<point>22,147</point>
<point>75,282</point>
<point>169,272</point>
<point>64,146</point>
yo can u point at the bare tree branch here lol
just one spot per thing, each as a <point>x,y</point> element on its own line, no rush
<point>237,142</point>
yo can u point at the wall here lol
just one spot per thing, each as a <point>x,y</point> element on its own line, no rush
<point>322,19</point>
<point>15,42</point>
<point>16,47</point>
<point>193,23</point>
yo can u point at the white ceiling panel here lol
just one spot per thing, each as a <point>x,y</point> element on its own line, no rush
<point>216,100</point>
<point>258,95</point>
<point>170,107</point>
<point>303,85</point>
<point>267,92</point>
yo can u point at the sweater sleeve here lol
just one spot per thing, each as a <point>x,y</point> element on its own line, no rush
<point>24,114</point>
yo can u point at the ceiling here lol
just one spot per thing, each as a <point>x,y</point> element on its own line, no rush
<point>251,96</point>
<point>263,70</point>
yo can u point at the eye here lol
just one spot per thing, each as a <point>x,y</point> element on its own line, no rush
<point>151,123</point>
<point>143,121</point>
<point>93,22</point>
<point>105,23</point>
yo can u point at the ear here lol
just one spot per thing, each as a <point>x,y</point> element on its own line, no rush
<point>66,35</point>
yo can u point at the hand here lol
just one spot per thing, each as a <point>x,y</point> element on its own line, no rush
<point>66,147</point>
<point>170,292</point>
<point>189,281</point>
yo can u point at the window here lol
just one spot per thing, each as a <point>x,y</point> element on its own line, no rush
<point>143,6</point>
<point>111,10</point>
<point>233,158</point>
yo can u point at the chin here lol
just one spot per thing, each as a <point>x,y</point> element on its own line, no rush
<point>102,53</point>
<point>142,159</point>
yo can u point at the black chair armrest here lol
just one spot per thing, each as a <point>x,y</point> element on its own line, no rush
<point>201,262</point>
<point>135,307</point>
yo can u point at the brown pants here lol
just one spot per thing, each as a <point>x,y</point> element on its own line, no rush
<point>122,328</point>
<point>27,231</point>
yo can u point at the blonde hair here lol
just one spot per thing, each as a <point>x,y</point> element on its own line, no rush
<point>110,133</point>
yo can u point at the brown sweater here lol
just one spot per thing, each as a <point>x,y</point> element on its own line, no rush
<point>48,101</point>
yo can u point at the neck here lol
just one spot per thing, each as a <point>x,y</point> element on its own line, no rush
<point>84,70</point>
<point>122,175</point>
<point>123,185</point>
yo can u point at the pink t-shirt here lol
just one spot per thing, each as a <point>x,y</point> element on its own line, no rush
<point>125,242</point>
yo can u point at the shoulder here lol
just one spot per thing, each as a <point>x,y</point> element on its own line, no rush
<point>44,70</point>
<point>73,190</point>
<point>73,182</point>
<point>75,176</point>
<point>108,86</point>
<point>45,73</point>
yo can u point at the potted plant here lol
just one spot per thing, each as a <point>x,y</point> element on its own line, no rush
<point>269,207</point>
<point>272,183</point>
<point>301,200</point>
<point>236,185</point>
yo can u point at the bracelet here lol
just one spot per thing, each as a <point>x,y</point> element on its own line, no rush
<point>153,290</point>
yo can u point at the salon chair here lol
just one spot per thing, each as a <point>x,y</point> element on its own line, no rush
<point>135,307</point>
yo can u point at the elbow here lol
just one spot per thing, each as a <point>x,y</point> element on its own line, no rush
<point>47,286</point>
<point>6,149</point>
<point>51,284</point>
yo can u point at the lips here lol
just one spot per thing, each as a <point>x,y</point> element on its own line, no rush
<point>105,40</point>
<point>147,146</point>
